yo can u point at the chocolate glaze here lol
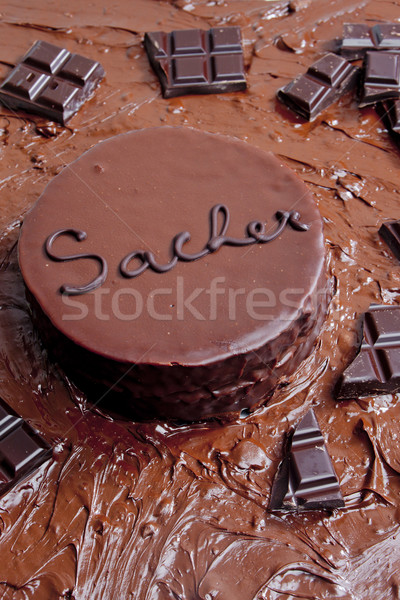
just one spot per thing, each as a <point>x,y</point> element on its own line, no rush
<point>165,512</point>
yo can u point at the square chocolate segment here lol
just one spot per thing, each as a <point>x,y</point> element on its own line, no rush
<point>193,61</point>
<point>325,81</point>
<point>382,77</point>
<point>51,81</point>
<point>21,448</point>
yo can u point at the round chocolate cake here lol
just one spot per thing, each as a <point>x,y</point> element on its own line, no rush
<point>129,508</point>
<point>212,282</point>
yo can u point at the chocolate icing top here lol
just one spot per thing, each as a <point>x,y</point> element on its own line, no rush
<point>162,512</point>
<point>132,195</point>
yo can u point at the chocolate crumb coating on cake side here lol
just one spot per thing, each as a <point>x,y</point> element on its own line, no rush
<point>154,510</point>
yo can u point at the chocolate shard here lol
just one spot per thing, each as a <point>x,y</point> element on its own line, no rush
<point>358,38</point>
<point>390,233</point>
<point>389,112</point>
<point>50,81</point>
<point>376,367</point>
<point>22,449</point>
<point>306,479</point>
<point>194,61</point>
<point>381,77</point>
<point>325,81</point>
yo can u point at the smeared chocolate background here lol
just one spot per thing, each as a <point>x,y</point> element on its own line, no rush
<point>152,511</point>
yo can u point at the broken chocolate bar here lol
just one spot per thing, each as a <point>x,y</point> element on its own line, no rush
<point>360,37</point>
<point>50,81</point>
<point>376,367</point>
<point>21,448</point>
<point>306,479</point>
<point>325,81</point>
<point>381,77</point>
<point>390,233</point>
<point>194,61</point>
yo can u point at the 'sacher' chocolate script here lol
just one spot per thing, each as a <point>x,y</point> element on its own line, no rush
<point>255,230</point>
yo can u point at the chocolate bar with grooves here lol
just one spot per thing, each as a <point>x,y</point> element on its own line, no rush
<point>193,61</point>
<point>325,81</point>
<point>360,37</point>
<point>306,479</point>
<point>50,81</point>
<point>22,449</point>
<point>376,367</point>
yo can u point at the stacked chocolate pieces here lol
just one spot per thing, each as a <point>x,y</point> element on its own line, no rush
<point>332,76</point>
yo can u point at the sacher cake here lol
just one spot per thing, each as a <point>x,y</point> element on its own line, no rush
<point>197,310</point>
<point>211,286</point>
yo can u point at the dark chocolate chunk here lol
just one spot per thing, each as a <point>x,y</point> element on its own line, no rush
<point>359,37</point>
<point>325,81</point>
<point>194,61</point>
<point>376,367</point>
<point>21,448</point>
<point>389,112</point>
<point>390,233</point>
<point>381,77</point>
<point>50,81</point>
<point>306,479</point>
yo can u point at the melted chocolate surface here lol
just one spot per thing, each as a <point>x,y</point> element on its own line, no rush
<point>165,512</point>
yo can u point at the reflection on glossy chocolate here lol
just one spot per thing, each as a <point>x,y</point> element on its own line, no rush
<point>164,512</point>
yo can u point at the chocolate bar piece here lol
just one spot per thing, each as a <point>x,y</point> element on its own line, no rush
<point>376,367</point>
<point>21,448</point>
<point>194,61</point>
<point>50,81</point>
<point>325,81</point>
<point>381,78</point>
<point>359,37</point>
<point>390,233</point>
<point>306,479</point>
<point>389,112</point>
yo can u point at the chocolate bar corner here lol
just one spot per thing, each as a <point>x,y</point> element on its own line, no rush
<point>376,367</point>
<point>22,449</point>
<point>306,479</point>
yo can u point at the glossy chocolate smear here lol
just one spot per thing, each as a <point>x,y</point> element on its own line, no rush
<point>162,512</point>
